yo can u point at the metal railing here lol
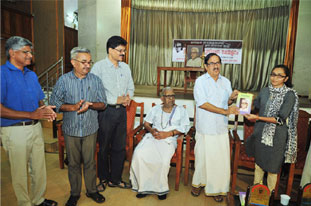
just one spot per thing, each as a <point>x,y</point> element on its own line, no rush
<point>49,77</point>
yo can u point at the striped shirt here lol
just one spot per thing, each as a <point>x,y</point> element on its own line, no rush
<point>117,81</point>
<point>69,90</point>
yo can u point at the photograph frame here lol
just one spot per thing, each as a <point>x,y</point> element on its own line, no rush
<point>189,62</point>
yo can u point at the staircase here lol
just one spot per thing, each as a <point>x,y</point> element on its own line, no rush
<point>49,78</point>
<point>47,81</point>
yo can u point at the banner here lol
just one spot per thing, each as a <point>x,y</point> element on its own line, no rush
<point>193,51</point>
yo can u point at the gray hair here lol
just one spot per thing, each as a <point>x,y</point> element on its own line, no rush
<point>15,43</point>
<point>166,89</point>
<point>195,49</point>
<point>76,50</point>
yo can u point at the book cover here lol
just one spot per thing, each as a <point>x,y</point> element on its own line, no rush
<point>244,102</point>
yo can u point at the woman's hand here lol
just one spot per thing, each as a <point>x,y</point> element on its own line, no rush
<point>251,116</point>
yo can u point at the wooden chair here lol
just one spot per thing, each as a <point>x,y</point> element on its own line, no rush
<point>190,144</point>
<point>131,112</point>
<point>259,194</point>
<point>188,78</point>
<point>177,158</point>
<point>302,132</point>
<point>240,157</point>
<point>304,195</point>
<point>131,131</point>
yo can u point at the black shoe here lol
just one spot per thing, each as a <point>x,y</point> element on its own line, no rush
<point>162,197</point>
<point>47,202</point>
<point>72,201</point>
<point>96,196</point>
<point>139,195</point>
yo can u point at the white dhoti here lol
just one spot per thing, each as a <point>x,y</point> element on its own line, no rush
<point>150,166</point>
<point>212,163</point>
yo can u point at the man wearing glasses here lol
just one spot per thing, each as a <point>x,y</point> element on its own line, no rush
<point>79,95</point>
<point>21,133</point>
<point>119,88</point>
<point>152,156</point>
<point>212,94</point>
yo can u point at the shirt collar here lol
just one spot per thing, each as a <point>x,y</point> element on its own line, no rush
<point>110,64</point>
<point>72,75</point>
<point>14,68</point>
<point>207,75</point>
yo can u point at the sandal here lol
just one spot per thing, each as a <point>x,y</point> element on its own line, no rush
<point>47,202</point>
<point>96,197</point>
<point>218,198</point>
<point>196,191</point>
<point>102,186</point>
<point>121,184</point>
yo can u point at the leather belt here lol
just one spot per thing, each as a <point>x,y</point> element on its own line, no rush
<point>117,106</point>
<point>32,122</point>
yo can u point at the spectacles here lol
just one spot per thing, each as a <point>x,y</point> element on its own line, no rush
<point>85,62</point>
<point>213,63</point>
<point>169,96</point>
<point>120,50</point>
<point>277,75</point>
<point>26,52</point>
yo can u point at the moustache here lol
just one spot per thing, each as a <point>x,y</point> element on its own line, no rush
<point>216,69</point>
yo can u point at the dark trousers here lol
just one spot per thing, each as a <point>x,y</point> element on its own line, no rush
<point>81,150</point>
<point>112,141</point>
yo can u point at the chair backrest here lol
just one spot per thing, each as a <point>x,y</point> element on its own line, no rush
<point>131,111</point>
<point>303,139</point>
<point>248,128</point>
<point>258,194</point>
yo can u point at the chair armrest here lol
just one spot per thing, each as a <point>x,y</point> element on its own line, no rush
<point>236,137</point>
<point>138,137</point>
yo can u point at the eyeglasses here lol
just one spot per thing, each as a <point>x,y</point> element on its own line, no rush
<point>213,63</point>
<point>278,76</point>
<point>120,50</point>
<point>85,62</point>
<point>169,96</point>
<point>26,52</point>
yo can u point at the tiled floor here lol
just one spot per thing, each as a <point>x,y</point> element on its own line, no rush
<point>58,187</point>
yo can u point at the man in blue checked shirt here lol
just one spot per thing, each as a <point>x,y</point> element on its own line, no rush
<point>21,107</point>
<point>79,95</point>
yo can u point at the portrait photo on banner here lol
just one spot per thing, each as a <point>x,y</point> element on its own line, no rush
<point>194,53</point>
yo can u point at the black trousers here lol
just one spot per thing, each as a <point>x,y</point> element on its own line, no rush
<point>112,142</point>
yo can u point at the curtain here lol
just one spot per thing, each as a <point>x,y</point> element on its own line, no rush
<point>125,23</point>
<point>291,36</point>
<point>262,25</point>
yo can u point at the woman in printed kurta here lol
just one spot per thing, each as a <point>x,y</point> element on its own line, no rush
<point>274,140</point>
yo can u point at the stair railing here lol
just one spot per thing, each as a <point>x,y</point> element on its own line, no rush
<point>49,77</point>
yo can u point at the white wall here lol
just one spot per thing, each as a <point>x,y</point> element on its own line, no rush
<point>302,62</point>
<point>98,21</point>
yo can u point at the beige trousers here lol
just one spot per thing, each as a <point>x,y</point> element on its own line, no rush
<point>24,146</point>
<point>272,177</point>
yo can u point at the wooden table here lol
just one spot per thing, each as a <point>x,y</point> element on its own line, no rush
<point>165,69</point>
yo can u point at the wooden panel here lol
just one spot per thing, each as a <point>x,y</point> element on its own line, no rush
<point>14,23</point>
<point>71,41</point>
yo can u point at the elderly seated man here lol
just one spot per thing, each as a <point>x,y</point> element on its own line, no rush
<point>151,158</point>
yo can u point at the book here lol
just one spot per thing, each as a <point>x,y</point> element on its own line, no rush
<point>244,102</point>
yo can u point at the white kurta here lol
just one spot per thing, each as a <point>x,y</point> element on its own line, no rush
<point>212,151</point>
<point>151,158</point>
